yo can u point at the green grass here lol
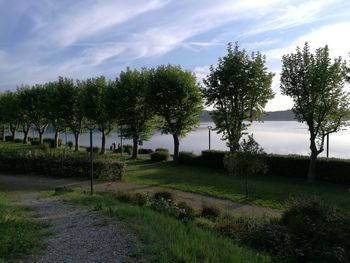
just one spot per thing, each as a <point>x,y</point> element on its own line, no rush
<point>166,239</point>
<point>18,234</point>
<point>264,190</point>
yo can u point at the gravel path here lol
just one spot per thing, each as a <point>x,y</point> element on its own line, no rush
<point>78,235</point>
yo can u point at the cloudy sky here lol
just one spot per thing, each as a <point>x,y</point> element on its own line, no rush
<point>43,39</point>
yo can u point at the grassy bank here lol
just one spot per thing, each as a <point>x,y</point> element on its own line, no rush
<point>166,239</point>
<point>263,190</point>
<point>18,234</point>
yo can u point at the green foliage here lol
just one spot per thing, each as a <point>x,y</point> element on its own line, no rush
<point>238,89</point>
<point>316,85</point>
<point>53,165</point>
<point>160,156</point>
<point>165,195</point>
<point>51,142</point>
<point>9,138</point>
<point>161,150</point>
<point>17,140</point>
<point>210,211</point>
<point>70,144</point>
<point>94,149</point>
<point>176,98</point>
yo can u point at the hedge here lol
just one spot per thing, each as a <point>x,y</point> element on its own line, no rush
<point>66,166</point>
<point>294,166</point>
<point>160,156</point>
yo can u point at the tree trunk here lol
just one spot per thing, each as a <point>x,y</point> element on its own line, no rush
<point>13,133</point>
<point>76,138</point>
<point>103,144</point>
<point>40,136</point>
<point>3,133</point>
<point>134,148</point>
<point>57,134</point>
<point>25,138</point>
<point>176,147</point>
<point>311,177</point>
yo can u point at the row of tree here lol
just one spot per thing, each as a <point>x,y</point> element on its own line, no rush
<point>168,98</point>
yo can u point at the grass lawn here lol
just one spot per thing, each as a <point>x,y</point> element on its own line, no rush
<point>18,234</point>
<point>263,190</point>
<point>166,239</point>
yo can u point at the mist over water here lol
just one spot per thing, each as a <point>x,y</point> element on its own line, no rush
<point>281,137</point>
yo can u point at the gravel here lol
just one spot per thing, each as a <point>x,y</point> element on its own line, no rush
<point>78,235</point>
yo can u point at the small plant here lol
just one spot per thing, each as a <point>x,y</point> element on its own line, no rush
<point>161,150</point>
<point>164,195</point>
<point>125,196</point>
<point>160,156</point>
<point>44,147</point>
<point>70,145</point>
<point>210,211</point>
<point>141,199</point>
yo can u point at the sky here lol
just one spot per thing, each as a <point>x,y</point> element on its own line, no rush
<point>43,39</point>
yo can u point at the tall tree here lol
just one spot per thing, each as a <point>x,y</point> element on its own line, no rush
<point>132,107</point>
<point>37,103</point>
<point>238,89</point>
<point>176,98</point>
<point>97,109</point>
<point>316,85</point>
<point>76,114</point>
<point>26,122</point>
<point>10,110</point>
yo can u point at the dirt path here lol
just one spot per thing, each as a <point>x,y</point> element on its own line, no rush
<point>78,235</point>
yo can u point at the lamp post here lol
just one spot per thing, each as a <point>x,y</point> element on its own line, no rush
<point>209,130</point>
<point>121,140</point>
<point>327,145</point>
<point>91,127</point>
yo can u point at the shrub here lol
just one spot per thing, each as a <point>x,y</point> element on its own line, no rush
<point>128,148</point>
<point>165,195</point>
<point>212,159</point>
<point>8,138</point>
<point>161,150</point>
<point>125,196</point>
<point>44,147</point>
<point>160,156</point>
<point>141,199</point>
<point>94,149</point>
<point>35,141</point>
<point>188,158</point>
<point>70,144</point>
<point>51,142</point>
<point>17,140</point>
<point>210,211</point>
<point>145,151</point>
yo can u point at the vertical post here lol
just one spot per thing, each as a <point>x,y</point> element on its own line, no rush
<point>327,145</point>
<point>209,130</point>
<point>91,166</point>
<point>121,140</point>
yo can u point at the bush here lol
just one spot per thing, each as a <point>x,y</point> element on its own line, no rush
<point>51,165</point>
<point>8,138</point>
<point>145,151</point>
<point>51,142</point>
<point>212,159</point>
<point>141,199</point>
<point>165,195</point>
<point>188,158</point>
<point>70,144</point>
<point>128,148</point>
<point>17,140</point>
<point>44,147</point>
<point>210,211</point>
<point>35,141</point>
<point>161,150</point>
<point>308,231</point>
<point>94,149</point>
<point>160,156</point>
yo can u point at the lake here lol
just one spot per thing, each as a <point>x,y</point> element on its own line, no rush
<point>282,137</point>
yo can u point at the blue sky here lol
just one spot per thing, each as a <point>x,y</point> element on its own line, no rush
<point>43,39</point>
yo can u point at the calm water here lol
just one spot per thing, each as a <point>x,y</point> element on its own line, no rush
<point>285,137</point>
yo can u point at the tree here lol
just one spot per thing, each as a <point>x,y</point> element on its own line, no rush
<point>316,85</point>
<point>97,106</point>
<point>10,110</point>
<point>25,121</point>
<point>76,114</point>
<point>132,107</point>
<point>238,89</point>
<point>176,98</point>
<point>37,104</point>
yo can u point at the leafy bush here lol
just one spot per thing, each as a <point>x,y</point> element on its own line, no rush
<point>17,140</point>
<point>210,211</point>
<point>141,199</point>
<point>164,194</point>
<point>308,231</point>
<point>51,165</point>
<point>35,141</point>
<point>128,148</point>
<point>145,151</point>
<point>212,158</point>
<point>44,147</point>
<point>188,158</point>
<point>8,138</point>
<point>70,144</point>
<point>94,149</point>
<point>161,150</point>
<point>51,142</point>
<point>160,156</point>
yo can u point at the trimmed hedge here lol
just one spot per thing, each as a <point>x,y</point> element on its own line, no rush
<point>161,150</point>
<point>160,156</point>
<point>66,166</point>
<point>145,151</point>
<point>8,138</point>
<point>51,142</point>
<point>294,166</point>
<point>18,140</point>
<point>94,149</point>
